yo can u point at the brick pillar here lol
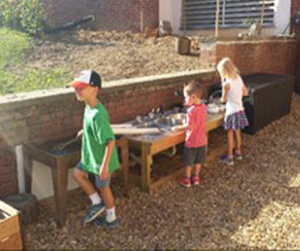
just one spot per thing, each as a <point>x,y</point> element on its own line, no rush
<point>8,172</point>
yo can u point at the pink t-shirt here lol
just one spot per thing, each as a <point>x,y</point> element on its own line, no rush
<point>196,119</point>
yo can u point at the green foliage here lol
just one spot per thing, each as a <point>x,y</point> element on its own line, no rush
<point>13,47</point>
<point>23,15</point>
<point>30,80</point>
<point>14,77</point>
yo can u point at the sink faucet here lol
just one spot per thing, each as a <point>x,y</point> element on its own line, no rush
<point>160,109</point>
<point>212,96</point>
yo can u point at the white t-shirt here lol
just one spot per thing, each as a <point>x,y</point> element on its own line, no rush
<point>234,95</point>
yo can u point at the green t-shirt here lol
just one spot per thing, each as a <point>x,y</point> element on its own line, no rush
<point>96,133</point>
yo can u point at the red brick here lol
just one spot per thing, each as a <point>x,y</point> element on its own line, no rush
<point>118,15</point>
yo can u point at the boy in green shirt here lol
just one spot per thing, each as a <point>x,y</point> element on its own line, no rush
<point>98,153</point>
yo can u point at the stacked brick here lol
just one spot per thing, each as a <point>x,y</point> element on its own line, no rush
<point>119,15</point>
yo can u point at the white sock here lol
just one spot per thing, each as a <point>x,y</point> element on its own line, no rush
<point>110,214</point>
<point>95,198</point>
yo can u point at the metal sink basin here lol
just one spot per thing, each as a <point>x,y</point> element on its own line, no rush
<point>169,122</point>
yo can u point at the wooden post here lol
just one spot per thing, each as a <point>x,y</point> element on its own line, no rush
<point>141,16</point>
<point>217,19</point>
<point>60,187</point>
<point>184,17</point>
<point>262,14</point>
<point>146,168</point>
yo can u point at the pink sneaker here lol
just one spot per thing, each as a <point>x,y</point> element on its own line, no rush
<point>185,182</point>
<point>195,180</point>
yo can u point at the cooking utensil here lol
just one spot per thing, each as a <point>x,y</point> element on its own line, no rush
<point>62,146</point>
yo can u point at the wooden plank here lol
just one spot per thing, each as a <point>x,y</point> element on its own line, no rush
<point>40,155</point>
<point>69,160</point>
<point>8,209</point>
<point>123,144</point>
<point>146,168</point>
<point>161,181</point>
<point>14,242</point>
<point>167,142</point>
<point>9,227</point>
<point>60,184</point>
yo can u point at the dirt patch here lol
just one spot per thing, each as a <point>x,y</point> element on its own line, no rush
<point>116,55</point>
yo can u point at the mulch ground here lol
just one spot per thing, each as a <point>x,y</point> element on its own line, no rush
<point>254,204</point>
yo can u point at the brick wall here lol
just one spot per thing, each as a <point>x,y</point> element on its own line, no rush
<point>271,56</point>
<point>120,15</point>
<point>41,116</point>
<point>8,172</point>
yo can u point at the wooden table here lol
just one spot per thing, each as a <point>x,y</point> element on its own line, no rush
<point>153,144</point>
<point>60,166</point>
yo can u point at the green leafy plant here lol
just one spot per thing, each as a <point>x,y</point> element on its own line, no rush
<point>30,80</point>
<point>13,46</point>
<point>14,76</point>
<point>23,15</point>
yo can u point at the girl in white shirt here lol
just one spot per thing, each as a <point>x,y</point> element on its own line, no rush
<point>233,90</point>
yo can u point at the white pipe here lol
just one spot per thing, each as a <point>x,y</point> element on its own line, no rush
<point>20,168</point>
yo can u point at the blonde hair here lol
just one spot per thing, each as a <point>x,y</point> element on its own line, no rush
<point>193,88</point>
<point>227,69</point>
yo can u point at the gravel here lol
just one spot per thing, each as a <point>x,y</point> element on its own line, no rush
<point>252,205</point>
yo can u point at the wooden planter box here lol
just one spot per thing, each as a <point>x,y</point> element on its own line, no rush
<point>10,234</point>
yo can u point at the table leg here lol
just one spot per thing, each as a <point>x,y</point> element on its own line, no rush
<point>146,168</point>
<point>125,165</point>
<point>60,184</point>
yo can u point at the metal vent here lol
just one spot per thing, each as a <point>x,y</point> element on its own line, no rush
<point>201,14</point>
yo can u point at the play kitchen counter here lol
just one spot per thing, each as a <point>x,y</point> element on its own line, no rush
<point>60,165</point>
<point>150,145</point>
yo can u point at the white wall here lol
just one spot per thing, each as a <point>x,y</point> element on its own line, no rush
<point>170,10</point>
<point>42,186</point>
<point>282,15</point>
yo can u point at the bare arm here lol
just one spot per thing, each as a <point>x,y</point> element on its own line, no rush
<point>106,159</point>
<point>104,170</point>
<point>225,89</point>
<point>245,91</point>
<point>79,134</point>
